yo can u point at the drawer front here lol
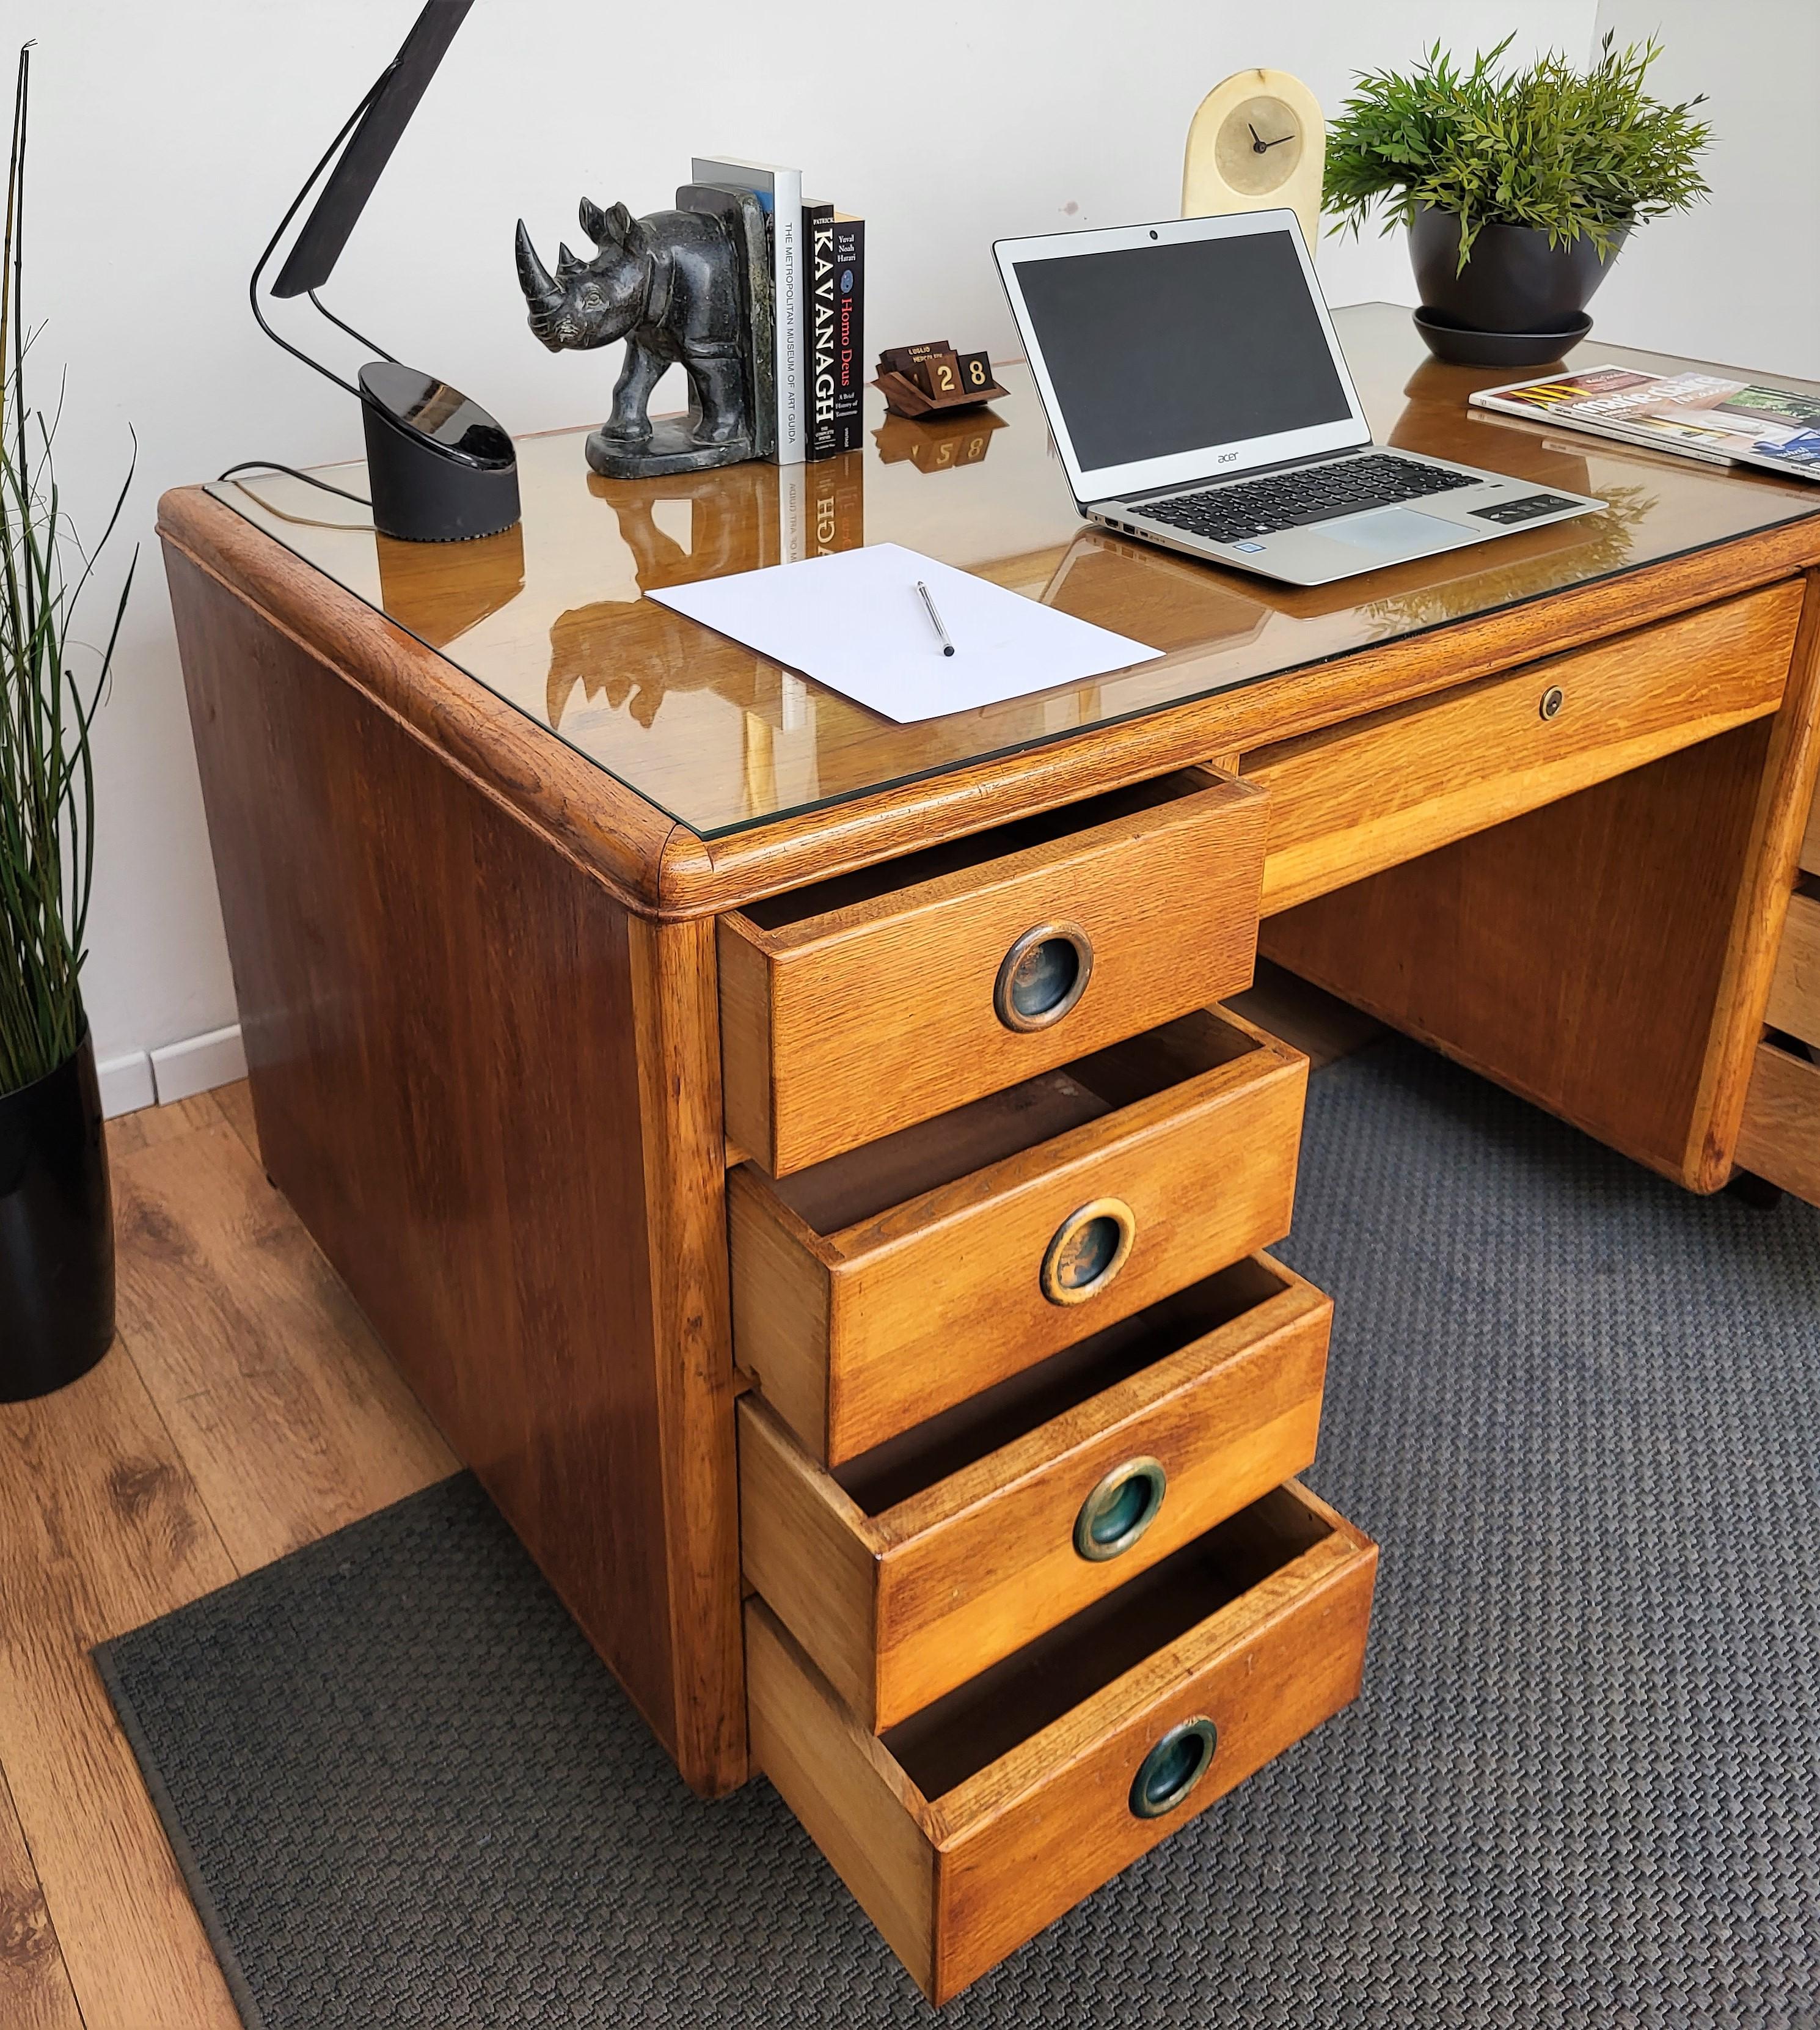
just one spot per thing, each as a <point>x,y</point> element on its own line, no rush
<point>1353,800</point>
<point>925,1563</point>
<point>966,1831</point>
<point>1795,995</point>
<point>882,998</point>
<point>856,1334</point>
<point>1781,1136</point>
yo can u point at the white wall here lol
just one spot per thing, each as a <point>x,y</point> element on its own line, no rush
<point>1735,280</point>
<point>169,137</point>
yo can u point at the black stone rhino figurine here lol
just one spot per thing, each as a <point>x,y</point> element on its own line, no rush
<point>678,286</point>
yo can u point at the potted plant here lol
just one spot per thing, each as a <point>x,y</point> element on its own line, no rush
<point>1518,187</point>
<point>56,1215</point>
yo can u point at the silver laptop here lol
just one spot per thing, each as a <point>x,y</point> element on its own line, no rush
<point>1199,399</point>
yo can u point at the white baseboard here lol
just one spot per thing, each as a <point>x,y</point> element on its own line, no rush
<point>126,1084</point>
<point>199,1064</point>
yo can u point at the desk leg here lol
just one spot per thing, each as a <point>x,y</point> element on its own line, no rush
<point>1608,957</point>
<point>676,1009</point>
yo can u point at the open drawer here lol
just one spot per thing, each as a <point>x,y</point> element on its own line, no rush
<point>880,1289</point>
<point>862,1003</point>
<point>966,1829</point>
<point>1780,1137</point>
<point>1795,994</point>
<point>918,1565</point>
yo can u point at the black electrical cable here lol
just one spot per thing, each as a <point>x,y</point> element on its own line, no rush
<point>309,479</point>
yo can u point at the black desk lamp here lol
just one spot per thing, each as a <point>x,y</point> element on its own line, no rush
<point>439,467</point>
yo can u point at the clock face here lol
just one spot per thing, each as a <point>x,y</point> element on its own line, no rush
<point>1258,145</point>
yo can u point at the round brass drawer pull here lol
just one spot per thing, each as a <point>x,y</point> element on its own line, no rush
<point>1088,1250</point>
<point>1120,1509</point>
<point>1042,976</point>
<point>1173,1768</point>
<point>1553,699</point>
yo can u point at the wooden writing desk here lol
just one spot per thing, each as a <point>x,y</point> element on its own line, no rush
<point>685,1068</point>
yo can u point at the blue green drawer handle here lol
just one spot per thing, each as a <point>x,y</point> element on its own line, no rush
<point>1087,1250</point>
<point>1173,1768</point>
<point>1042,976</point>
<point>1120,1509</point>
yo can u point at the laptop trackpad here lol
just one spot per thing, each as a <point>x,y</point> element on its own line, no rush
<point>1396,532</point>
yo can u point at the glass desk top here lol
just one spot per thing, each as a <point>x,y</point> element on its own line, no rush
<point>550,616</point>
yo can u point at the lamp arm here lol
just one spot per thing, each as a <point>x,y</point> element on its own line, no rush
<point>372,345</point>
<point>310,183</point>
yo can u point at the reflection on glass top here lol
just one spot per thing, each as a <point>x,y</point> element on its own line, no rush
<point>551,615</point>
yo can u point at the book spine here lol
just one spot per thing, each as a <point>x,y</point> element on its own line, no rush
<point>818,330</point>
<point>787,214</point>
<point>850,334</point>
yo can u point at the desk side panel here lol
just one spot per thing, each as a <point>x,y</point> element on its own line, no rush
<point>445,1021</point>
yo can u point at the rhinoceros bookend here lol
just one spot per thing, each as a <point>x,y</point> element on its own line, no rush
<point>690,288</point>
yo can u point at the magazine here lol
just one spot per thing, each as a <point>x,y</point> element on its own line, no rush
<point>1700,415</point>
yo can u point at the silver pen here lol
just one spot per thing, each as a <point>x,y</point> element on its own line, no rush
<point>935,619</point>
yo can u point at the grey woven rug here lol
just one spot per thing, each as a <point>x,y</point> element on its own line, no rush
<point>1581,1410</point>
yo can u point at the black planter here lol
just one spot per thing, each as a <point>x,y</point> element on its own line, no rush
<point>1515,281</point>
<point>56,1231</point>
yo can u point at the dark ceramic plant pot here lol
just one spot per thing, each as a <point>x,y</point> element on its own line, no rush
<point>56,1231</point>
<point>1514,281</point>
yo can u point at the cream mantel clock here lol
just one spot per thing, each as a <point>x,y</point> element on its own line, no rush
<point>1258,140</point>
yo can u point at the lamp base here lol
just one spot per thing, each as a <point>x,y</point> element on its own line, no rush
<point>438,469</point>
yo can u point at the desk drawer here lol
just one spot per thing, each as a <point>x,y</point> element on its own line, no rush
<point>1795,995</point>
<point>967,1829</point>
<point>920,1564</point>
<point>1356,798</point>
<point>1781,1136</point>
<point>880,1288</point>
<point>856,1007</point>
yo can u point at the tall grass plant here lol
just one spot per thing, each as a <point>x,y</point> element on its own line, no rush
<point>47,709</point>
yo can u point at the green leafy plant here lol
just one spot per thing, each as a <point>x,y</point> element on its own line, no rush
<point>1561,151</point>
<point>46,714</point>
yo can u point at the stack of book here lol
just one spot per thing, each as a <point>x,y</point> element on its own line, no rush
<point>819,263</point>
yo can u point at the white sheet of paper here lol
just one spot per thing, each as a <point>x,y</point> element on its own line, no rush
<point>853,621</point>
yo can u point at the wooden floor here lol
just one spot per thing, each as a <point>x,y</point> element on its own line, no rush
<point>245,1410</point>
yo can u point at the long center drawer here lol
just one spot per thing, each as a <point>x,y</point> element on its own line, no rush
<point>1353,799</point>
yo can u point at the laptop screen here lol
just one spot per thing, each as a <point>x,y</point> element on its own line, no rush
<point>1212,337</point>
<point>1159,349</point>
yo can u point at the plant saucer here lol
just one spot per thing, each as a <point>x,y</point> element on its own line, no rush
<point>1460,346</point>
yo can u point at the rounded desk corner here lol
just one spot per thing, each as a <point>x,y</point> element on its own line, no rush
<point>683,876</point>
<point>178,506</point>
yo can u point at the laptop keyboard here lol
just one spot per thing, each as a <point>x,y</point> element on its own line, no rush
<point>1245,508</point>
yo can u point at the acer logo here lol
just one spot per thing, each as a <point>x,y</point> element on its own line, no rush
<point>1227,457</point>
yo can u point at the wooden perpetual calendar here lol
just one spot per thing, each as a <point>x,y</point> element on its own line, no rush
<point>927,379</point>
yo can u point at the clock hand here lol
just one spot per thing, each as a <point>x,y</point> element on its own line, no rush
<point>1257,147</point>
<point>1264,147</point>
